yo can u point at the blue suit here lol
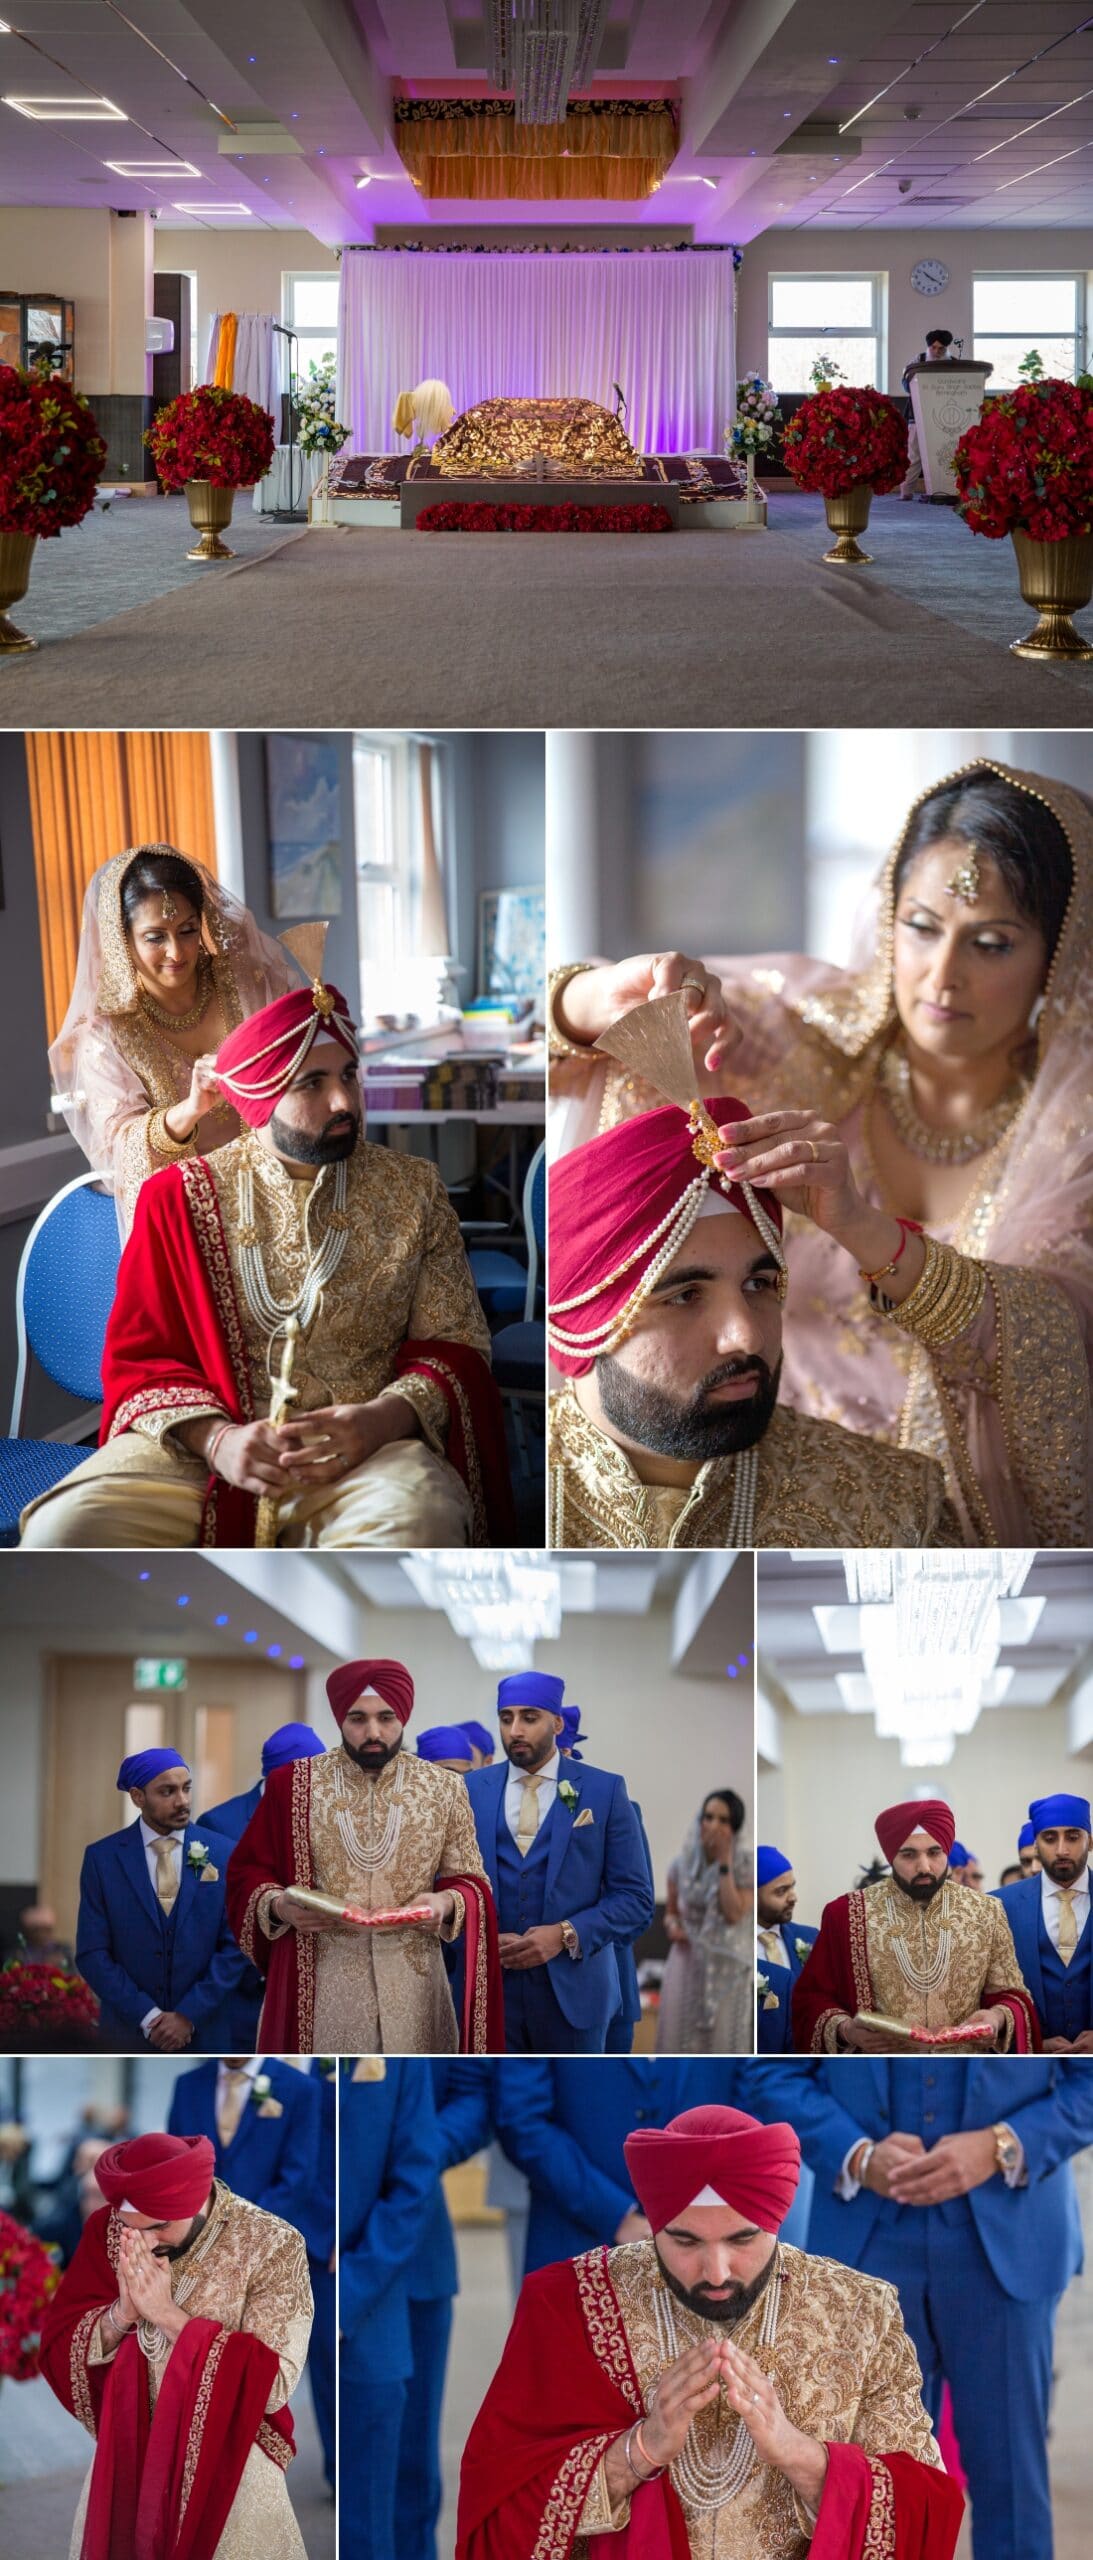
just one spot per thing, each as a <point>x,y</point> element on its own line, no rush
<point>593,1873</point>
<point>388,2173</point>
<point>564,2124</point>
<point>231,1819</point>
<point>138,1957</point>
<point>319,2226</point>
<point>620,2034</point>
<point>271,2160</point>
<point>773,2027</point>
<point>980,2276</point>
<point>461,2101</point>
<point>1062,1993</point>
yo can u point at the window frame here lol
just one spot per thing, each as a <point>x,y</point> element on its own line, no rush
<point>877,330</point>
<point>1022,338</point>
<point>307,339</point>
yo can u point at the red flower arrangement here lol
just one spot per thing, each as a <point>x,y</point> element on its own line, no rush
<point>455,515</point>
<point>844,438</point>
<point>44,1996</point>
<point>1026,466</point>
<point>211,435</point>
<point>27,2279</point>
<point>51,453</point>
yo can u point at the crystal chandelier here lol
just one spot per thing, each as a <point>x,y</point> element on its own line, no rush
<point>541,49</point>
<point>931,1632</point>
<point>503,1603</point>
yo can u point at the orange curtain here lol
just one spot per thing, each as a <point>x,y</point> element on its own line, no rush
<point>92,792</point>
<point>457,149</point>
<point>224,368</point>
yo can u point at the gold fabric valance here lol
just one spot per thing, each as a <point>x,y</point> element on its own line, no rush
<point>473,149</point>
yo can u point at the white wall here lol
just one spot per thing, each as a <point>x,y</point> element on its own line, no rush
<point>892,253</point>
<point>20,1793</point>
<point>836,1777</point>
<point>238,270</point>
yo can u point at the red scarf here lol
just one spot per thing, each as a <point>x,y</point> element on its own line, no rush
<point>163,2480</point>
<point>175,1342</point>
<point>836,1982</point>
<point>275,1850</point>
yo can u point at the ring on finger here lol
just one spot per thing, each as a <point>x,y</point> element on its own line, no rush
<point>813,1151</point>
<point>698,983</point>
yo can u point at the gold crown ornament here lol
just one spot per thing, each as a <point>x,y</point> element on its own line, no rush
<point>307,944</point>
<point>169,908</point>
<point>653,1040</point>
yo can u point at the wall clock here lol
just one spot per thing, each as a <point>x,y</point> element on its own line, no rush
<point>929,275</point>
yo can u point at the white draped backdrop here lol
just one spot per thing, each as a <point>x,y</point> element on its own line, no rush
<point>493,324</point>
<point>258,371</point>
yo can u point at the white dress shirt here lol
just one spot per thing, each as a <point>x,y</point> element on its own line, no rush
<point>545,1791</point>
<point>1050,1904</point>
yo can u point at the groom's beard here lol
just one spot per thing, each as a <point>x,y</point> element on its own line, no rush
<point>688,1426</point>
<point>372,1756</point>
<point>732,2305</point>
<point>923,1889</point>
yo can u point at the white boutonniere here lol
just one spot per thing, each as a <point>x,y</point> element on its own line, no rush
<point>803,1947</point>
<point>262,2096</point>
<point>768,1999</point>
<point>197,1857</point>
<point>568,1795</point>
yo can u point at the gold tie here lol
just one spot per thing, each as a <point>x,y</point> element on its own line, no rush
<point>527,1822</point>
<point>1068,1925</point>
<point>230,2105</point>
<point>771,1941</point>
<point>167,1873</point>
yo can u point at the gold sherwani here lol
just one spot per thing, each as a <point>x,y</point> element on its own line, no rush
<point>248,2270</point>
<point>380,1843</point>
<point>404,1275</point>
<point>931,1966</point>
<point>818,1486</point>
<point>840,2360</point>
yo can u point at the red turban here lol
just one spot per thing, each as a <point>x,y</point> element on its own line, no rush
<point>751,2167</point>
<point>620,1209</point>
<point>257,1062</point>
<point>895,1825</point>
<point>390,1680</point>
<point>166,2175</point>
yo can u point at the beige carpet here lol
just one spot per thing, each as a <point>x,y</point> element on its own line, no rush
<point>689,630</point>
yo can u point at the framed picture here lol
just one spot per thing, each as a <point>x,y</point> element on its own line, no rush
<point>511,942</point>
<point>303,807</point>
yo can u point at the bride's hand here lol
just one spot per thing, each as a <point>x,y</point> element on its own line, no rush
<point>802,1159</point>
<point>595,998</point>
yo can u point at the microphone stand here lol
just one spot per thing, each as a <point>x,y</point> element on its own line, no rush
<point>293,513</point>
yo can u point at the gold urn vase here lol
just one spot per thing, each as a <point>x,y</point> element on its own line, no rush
<point>210,512</point>
<point>847,516</point>
<point>16,554</point>
<point>1056,580</point>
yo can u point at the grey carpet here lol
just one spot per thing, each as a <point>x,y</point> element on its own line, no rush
<point>689,630</point>
<point>126,554</point>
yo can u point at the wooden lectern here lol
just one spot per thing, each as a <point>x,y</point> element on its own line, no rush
<point>945,399</point>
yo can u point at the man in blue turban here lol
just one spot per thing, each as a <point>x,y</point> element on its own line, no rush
<point>1048,1914</point>
<point>782,1947</point>
<point>1026,1850</point>
<point>448,1746</point>
<point>152,1938</point>
<point>964,1867</point>
<point>482,1741</point>
<point>568,1871</point>
<point>620,2033</point>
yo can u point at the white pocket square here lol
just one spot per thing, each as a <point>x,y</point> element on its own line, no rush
<point>586,1816</point>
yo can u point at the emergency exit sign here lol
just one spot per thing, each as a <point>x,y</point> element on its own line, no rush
<point>149,1672</point>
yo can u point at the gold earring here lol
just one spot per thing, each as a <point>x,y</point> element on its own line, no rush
<point>966,881</point>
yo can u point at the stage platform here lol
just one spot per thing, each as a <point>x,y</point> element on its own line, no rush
<point>387,491</point>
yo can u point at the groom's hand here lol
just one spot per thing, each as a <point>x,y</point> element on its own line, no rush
<point>320,1448</point>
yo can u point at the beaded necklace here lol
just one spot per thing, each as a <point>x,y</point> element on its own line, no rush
<point>708,2481</point>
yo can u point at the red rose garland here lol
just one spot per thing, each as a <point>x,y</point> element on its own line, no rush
<point>44,1996</point>
<point>454,515</point>
<point>27,2279</point>
<point>211,435</point>
<point>1027,463</point>
<point>51,453</point>
<point>846,438</point>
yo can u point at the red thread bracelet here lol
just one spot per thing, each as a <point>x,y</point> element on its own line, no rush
<point>908,1227</point>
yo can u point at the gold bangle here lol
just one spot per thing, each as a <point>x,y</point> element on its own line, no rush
<point>161,1141</point>
<point>559,1044</point>
<point>945,1300</point>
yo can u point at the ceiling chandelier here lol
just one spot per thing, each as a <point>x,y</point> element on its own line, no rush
<point>541,49</point>
<point>503,1604</point>
<point>930,1629</point>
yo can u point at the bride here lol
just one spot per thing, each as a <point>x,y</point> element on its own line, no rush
<point>927,1121</point>
<point>169,963</point>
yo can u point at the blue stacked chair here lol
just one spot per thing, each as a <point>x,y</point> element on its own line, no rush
<point>63,1296</point>
<point>518,1350</point>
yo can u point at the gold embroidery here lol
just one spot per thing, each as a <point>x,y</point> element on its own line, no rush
<point>562,2511</point>
<point>880,2531</point>
<point>202,2403</point>
<point>603,2321</point>
<point>859,1952</point>
<point>303,1873</point>
<point>80,2387</point>
<point>381,1991</point>
<point>205,1207</point>
<point>982,1961</point>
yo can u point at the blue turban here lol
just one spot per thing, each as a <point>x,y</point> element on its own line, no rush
<point>290,1742</point>
<point>142,1766</point>
<point>1026,1835</point>
<point>531,1689</point>
<point>571,1734</point>
<point>770,1863</point>
<point>959,1856</point>
<point>481,1736</point>
<point>1053,1813</point>
<point>445,1742</point>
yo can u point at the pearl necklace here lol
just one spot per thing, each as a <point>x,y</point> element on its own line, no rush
<point>917,1978</point>
<point>181,1021</point>
<point>942,1146</point>
<point>708,2481</point>
<point>379,1853</point>
<point>742,1515</point>
<point>155,2347</point>
<point>267,1310</point>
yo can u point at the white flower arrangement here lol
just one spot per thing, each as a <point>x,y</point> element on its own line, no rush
<point>757,416</point>
<point>318,430</point>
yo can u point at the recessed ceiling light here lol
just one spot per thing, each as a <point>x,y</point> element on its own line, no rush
<point>153,168</point>
<point>710,182</point>
<point>364,180</point>
<point>68,110</point>
<point>211,208</point>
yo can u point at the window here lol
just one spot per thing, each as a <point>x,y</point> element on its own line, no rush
<point>1011,315</point>
<point>839,316</point>
<point>311,308</point>
<point>398,817</point>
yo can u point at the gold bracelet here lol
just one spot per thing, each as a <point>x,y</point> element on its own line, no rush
<point>559,1045</point>
<point>946,1297</point>
<point>161,1141</point>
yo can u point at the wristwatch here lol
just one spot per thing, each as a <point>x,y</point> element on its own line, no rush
<point>570,1940</point>
<point>1007,2149</point>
